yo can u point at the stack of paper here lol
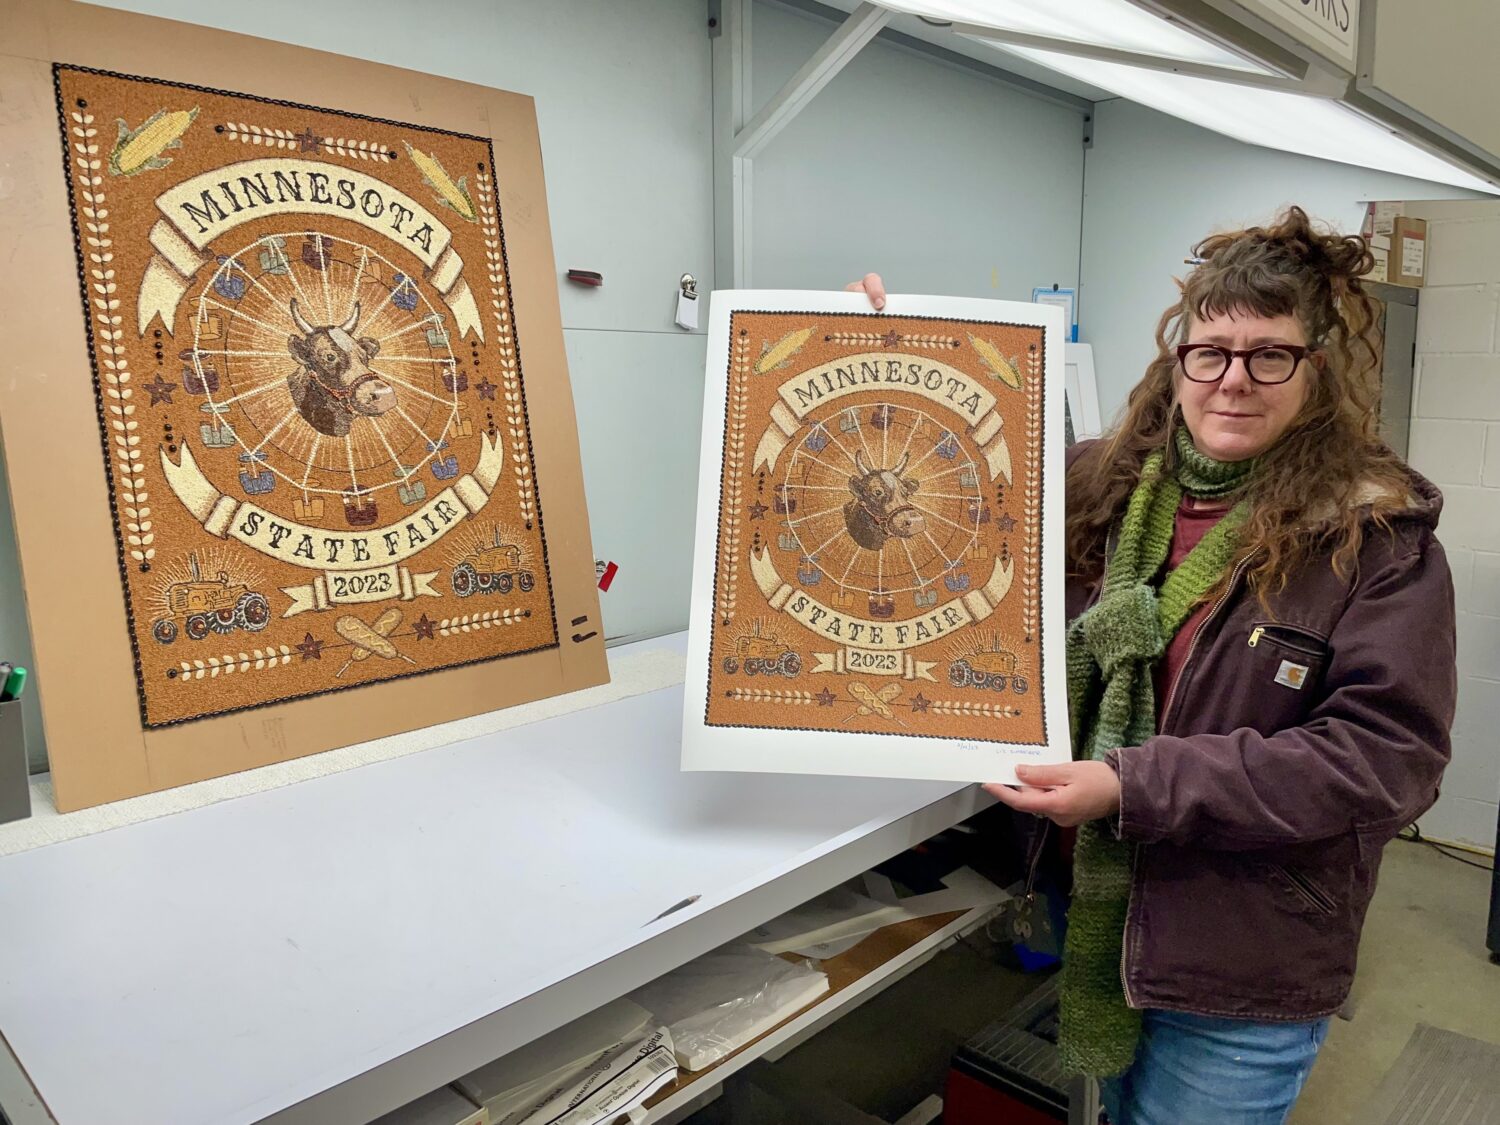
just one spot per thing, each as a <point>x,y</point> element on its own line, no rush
<point>724,999</point>
<point>441,1107</point>
<point>612,1085</point>
<point>520,1079</point>
<point>836,921</point>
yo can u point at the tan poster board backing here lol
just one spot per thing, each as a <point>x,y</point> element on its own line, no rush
<point>452,575</point>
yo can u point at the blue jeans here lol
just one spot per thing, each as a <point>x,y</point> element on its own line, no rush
<point>1203,1070</point>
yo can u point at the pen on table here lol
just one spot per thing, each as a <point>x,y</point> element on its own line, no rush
<point>674,909</point>
<point>15,684</point>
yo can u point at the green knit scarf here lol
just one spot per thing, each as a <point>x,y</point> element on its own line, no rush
<point>1111,651</point>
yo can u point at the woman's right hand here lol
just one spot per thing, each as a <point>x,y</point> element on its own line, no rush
<point>872,287</point>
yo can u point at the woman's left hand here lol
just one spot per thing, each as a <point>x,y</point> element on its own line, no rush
<point>1068,794</point>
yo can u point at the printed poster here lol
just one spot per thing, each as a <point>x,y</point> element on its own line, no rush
<point>309,394</point>
<point>878,578</point>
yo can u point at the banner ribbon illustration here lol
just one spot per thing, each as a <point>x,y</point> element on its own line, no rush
<point>324,549</point>
<point>945,386</point>
<point>198,210</point>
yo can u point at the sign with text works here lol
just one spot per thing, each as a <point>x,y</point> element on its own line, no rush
<point>877,587</point>
<point>1330,27</point>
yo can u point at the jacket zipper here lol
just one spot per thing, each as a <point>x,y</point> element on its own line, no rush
<point>1262,630</point>
<point>1197,635</point>
<point>1165,715</point>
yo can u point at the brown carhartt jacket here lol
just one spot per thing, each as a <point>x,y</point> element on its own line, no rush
<point>1296,744</point>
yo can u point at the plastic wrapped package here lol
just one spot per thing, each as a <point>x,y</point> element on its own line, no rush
<point>724,999</point>
<point>441,1107</point>
<point>517,1080</point>
<point>615,1084</point>
<point>837,920</point>
<point>825,926</point>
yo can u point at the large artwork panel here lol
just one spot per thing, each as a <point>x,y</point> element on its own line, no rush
<point>338,456</point>
<point>877,571</point>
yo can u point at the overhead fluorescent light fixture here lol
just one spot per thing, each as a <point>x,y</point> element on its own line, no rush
<point>1274,119</point>
<point>1118,24</point>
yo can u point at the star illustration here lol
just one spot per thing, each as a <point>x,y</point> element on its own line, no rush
<point>311,648</point>
<point>919,702</point>
<point>892,338</point>
<point>486,389</point>
<point>309,141</point>
<point>424,626</point>
<point>1006,523</point>
<point>161,391</point>
<point>758,510</point>
<point>825,698</point>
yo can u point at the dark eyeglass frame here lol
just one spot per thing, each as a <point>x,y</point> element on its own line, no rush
<point>1298,352</point>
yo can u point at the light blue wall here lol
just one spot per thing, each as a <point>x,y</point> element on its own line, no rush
<point>942,180</point>
<point>15,637</point>
<point>1154,186</point>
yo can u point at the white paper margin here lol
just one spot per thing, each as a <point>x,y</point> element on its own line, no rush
<point>765,750</point>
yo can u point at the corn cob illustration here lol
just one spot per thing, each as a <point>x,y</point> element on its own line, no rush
<point>141,150</point>
<point>453,195</point>
<point>1006,370</point>
<point>774,355</point>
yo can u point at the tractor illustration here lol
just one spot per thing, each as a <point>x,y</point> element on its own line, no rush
<point>761,655</point>
<point>989,667</point>
<point>210,606</point>
<point>496,567</point>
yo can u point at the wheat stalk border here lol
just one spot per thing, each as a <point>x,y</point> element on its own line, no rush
<point>733,467</point>
<point>515,413</point>
<point>992,710</point>
<point>920,341</point>
<point>472,622</point>
<point>256,660</point>
<point>772,695</point>
<point>113,362</point>
<point>284,138</point>
<point>1032,504</point>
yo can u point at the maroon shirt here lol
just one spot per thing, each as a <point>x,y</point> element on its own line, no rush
<point>1195,519</point>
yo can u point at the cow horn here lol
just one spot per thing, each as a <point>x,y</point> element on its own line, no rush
<point>901,466</point>
<point>301,321</point>
<point>859,463</point>
<point>352,319</point>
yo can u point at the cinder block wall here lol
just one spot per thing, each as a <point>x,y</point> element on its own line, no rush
<point>1455,440</point>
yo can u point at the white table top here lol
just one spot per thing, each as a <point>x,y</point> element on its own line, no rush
<point>437,910</point>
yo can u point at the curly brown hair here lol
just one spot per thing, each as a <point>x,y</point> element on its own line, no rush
<point>1314,490</point>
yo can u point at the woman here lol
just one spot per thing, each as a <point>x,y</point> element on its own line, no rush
<point>1261,684</point>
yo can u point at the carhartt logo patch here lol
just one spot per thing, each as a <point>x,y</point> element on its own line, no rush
<point>1291,675</point>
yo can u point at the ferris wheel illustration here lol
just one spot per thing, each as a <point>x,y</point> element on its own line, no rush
<point>881,499</point>
<point>327,374</point>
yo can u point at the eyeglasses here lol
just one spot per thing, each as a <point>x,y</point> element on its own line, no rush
<point>1268,364</point>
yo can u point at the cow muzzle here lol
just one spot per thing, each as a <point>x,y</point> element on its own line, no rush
<point>371,395</point>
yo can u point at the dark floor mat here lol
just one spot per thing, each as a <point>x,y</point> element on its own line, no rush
<point>1440,1078</point>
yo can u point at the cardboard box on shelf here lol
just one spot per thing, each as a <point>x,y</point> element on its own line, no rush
<point>1398,243</point>
<point>1380,247</point>
<point>1380,218</point>
<point>1407,262</point>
